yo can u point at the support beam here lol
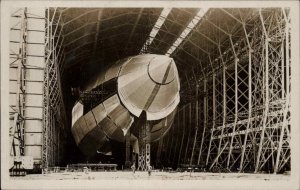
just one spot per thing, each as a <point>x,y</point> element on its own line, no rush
<point>183,134</point>
<point>205,120</point>
<point>127,150</point>
<point>266,91</point>
<point>284,127</point>
<point>241,168</point>
<point>229,14</point>
<point>189,134</point>
<point>177,129</point>
<point>216,159</point>
<point>78,17</point>
<point>159,152</point>
<point>100,12</point>
<point>187,30</point>
<point>133,30</point>
<point>213,121</point>
<point>194,144</point>
<point>224,106</point>
<point>53,102</point>
<point>160,21</point>
<point>250,129</point>
<point>235,101</point>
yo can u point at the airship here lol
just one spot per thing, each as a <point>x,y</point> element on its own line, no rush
<point>143,89</point>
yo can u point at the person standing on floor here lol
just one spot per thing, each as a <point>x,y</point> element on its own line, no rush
<point>149,170</point>
<point>133,168</point>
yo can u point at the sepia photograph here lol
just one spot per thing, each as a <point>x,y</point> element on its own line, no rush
<point>150,95</point>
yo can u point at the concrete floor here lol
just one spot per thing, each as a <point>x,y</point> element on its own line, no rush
<point>154,176</point>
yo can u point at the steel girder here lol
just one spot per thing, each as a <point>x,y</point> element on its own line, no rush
<point>245,124</point>
<point>54,113</point>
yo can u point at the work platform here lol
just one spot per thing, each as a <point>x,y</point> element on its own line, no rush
<point>92,167</point>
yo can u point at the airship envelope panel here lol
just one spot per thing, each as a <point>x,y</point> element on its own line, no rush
<point>147,84</point>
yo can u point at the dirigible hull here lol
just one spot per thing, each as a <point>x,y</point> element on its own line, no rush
<point>145,89</point>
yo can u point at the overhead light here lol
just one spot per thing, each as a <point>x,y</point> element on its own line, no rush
<point>187,30</point>
<point>160,21</point>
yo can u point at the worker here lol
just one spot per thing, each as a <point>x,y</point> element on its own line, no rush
<point>149,170</point>
<point>133,168</point>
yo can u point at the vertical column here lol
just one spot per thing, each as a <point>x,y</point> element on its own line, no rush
<point>241,168</point>
<point>235,102</point>
<point>266,91</point>
<point>280,158</point>
<point>183,134</point>
<point>188,137</point>
<point>134,159</point>
<point>127,151</point>
<point>205,118</point>
<point>196,128</point>
<point>170,144</point>
<point>147,152</point>
<point>46,111</point>
<point>159,151</point>
<point>142,146</point>
<point>147,145</point>
<point>177,134</point>
<point>214,118</point>
<point>167,145</point>
<point>141,159</point>
<point>54,110</point>
<point>194,144</point>
<point>224,108</point>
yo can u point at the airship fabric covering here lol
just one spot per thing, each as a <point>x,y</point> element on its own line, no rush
<point>108,119</point>
<point>145,82</point>
<point>141,86</point>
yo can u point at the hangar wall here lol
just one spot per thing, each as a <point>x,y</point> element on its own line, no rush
<point>37,115</point>
<point>240,118</point>
<point>26,76</point>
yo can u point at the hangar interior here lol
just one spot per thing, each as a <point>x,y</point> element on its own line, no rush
<point>234,68</point>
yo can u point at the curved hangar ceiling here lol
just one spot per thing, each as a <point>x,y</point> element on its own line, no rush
<point>93,38</point>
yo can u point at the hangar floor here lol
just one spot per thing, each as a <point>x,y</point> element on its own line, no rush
<point>128,175</point>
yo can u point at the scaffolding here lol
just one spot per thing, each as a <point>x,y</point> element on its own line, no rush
<point>19,62</point>
<point>243,120</point>
<point>54,114</point>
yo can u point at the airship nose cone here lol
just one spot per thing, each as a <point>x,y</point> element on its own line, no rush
<point>161,70</point>
<point>149,83</point>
